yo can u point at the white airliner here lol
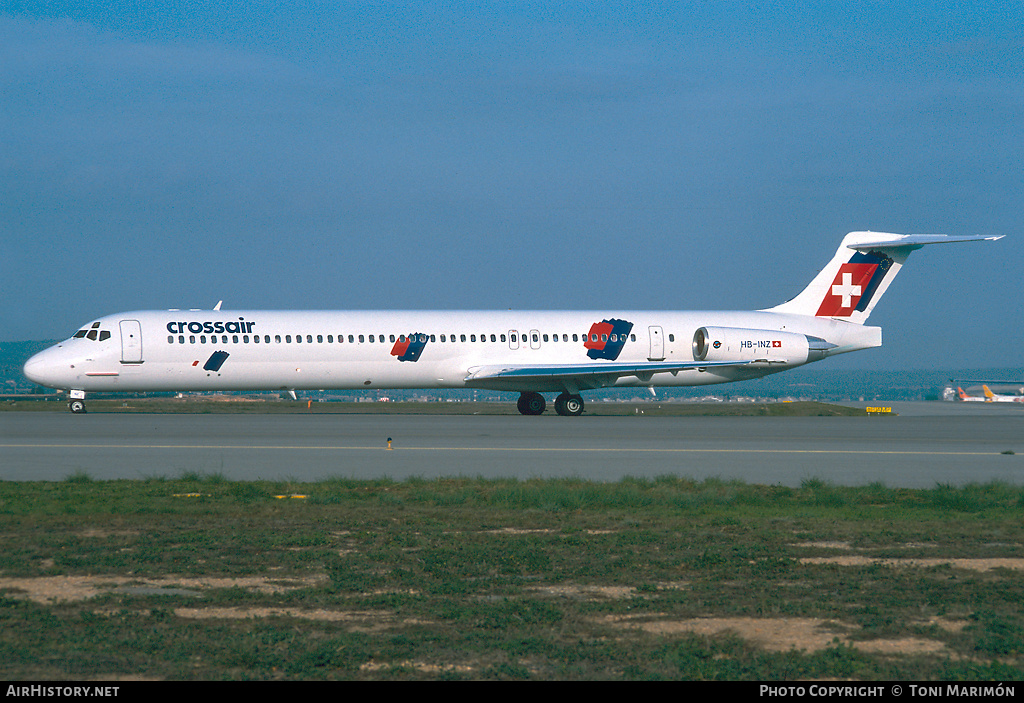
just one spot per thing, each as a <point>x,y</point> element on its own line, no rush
<point>998,398</point>
<point>528,352</point>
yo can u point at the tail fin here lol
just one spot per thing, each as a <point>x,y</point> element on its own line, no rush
<point>860,272</point>
<point>989,395</point>
<point>960,393</point>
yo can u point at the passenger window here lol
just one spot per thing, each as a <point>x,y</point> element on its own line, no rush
<point>671,338</point>
<point>277,338</point>
<point>170,339</point>
<point>288,339</point>
<point>462,337</point>
<point>309,338</point>
<point>351,338</point>
<point>320,339</point>
<point>361,339</point>
<point>191,339</point>
<point>234,338</point>
<point>202,339</point>
<point>256,338</point>
<point>181,339</point>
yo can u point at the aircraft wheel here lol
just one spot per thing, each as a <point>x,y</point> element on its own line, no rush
<point>573,405</point>
<point>531,403</point>
<point>76,406</point>
<point>568,404</point>
<point>560,403</point>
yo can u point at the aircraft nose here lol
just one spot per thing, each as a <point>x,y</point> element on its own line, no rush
<point>41,368</point>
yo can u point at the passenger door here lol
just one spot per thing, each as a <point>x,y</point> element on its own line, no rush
<point>131,342</point>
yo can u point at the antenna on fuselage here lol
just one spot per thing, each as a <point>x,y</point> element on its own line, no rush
<point>217,306</point>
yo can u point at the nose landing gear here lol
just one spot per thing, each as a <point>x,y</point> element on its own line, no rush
<point>76,403</point>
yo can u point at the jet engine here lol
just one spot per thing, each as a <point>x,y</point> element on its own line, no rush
<point>767,346</point>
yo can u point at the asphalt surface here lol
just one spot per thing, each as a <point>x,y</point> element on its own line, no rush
<point>922,445</point>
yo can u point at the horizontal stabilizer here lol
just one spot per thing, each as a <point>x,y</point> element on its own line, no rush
<point>916,241</point>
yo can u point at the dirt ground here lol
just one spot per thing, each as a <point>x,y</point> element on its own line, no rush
<point>774,634</point>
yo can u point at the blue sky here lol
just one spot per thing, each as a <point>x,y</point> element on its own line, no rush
<point>525,155</point>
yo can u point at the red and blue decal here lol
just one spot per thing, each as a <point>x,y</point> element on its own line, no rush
<point>215,361</point>
<point>606,339</point>
<point>409,348</point>
<point>855,284</point>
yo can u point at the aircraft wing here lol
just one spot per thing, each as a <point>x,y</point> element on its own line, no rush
<point>576,377</point>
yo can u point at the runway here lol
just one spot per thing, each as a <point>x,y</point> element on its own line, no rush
<point>925,444</point>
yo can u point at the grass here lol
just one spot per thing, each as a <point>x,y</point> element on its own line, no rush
<point>199,577</point>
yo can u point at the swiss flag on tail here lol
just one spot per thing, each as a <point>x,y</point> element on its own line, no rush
<point>851,282</point>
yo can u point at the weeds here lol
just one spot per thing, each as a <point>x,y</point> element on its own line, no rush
<point>666,578</point>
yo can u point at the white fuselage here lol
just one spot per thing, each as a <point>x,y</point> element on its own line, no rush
<point>291,350</point>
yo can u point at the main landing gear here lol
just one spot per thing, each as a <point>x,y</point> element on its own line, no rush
<point>565,404</point>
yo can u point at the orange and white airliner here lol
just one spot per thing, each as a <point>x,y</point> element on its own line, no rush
<point>529,352</point>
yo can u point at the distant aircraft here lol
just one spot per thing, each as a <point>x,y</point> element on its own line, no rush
<point>528,352</point>
<point>968,398</point>
<point>996,398</point>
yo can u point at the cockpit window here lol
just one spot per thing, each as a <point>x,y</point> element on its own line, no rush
<point>93,332</point>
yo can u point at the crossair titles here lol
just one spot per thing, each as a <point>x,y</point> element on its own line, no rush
<point>219,327</point>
